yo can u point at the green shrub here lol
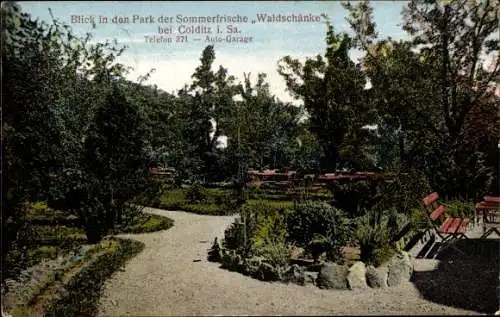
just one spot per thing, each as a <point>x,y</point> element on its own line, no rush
<point>405,191</point>
<point>61,236</point>
<point>459,208</point>
<point>217,195</point>
<point>194,193</point>
<point>231,261</point>
<point>374,232</point>
<point>266,206</point>
<point>270,228</point>
<point>43,252</point>
<point>274,252</point>
<point>208,209</point>
<point>309,220</point>
<point>213,201</point>
<point>238,236</point>
<point>172,199</point>
<point>382,255</point>
<point>130,214</point>
<point>146,223</point>
<point>40,213</point>
<point>215,253</point>
<point>354,196</point>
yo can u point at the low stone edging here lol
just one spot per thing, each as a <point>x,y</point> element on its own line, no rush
<point>331,275</point>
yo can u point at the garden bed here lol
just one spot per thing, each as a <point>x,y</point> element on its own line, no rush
<point>61,287</point>
<point>309,242</point>
<point>55,251</point>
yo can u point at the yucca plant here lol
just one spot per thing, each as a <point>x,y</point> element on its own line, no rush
<point>374,233</point>
<point>275,252</point>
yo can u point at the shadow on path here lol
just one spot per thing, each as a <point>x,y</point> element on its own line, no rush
<point>467,281</point>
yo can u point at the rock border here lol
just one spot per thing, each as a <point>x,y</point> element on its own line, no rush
<point>331,275</point>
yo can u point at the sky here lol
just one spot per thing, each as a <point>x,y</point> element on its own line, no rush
<point>175,61</point>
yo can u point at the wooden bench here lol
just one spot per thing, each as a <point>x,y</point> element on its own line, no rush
<point>448,229</point>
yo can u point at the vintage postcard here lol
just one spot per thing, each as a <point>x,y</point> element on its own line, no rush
<point>250,158</point>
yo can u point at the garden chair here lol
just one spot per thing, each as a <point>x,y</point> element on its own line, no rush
<point>489,207</point>
<point>448,229</point>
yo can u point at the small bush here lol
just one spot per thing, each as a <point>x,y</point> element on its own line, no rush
<point>217,196</point>
<point>194,193</point>
<point>260,222</point>
<point>274,252</point>
<point>405,191</point>
<point>374,232</point>
<point>382,255</point>
<point>459,208</point>
<point>215,254</point>
<point>238,236</point>
<point>61,236</point>
<point>309,220</point>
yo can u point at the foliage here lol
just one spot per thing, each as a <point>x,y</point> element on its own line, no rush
<point>404,191</point>
<point>39,213</point>
<point>459,208</point>
<point>89,160</point>
<point>432,100</point>
<point>375,230</point>
<point>450,132</point>
<point>172,198</point>
<point>79,297</point>
<point>270,229</point>
<point>238,236</point>
<point>332,90</point>
<point>214,202</point>
<point>215,253</point>
<point>145,223</point>
<point>260,229</point>
<point>275,252</point>
<point>194,194</point>
<point>310,223</point>
<point>43,252</point>
<point>354,196</point>
<point>266,206</point>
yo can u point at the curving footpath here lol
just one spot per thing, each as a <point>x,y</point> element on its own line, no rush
<point>172,277</point>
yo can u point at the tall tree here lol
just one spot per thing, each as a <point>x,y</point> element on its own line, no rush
<point>209,107</point>
<point>332,89</point>
<point>437,84</point>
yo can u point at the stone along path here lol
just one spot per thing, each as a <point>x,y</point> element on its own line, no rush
<point>172,277</point>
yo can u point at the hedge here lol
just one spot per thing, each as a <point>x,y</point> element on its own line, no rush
<point>148,223</point>
<point>215,202</point>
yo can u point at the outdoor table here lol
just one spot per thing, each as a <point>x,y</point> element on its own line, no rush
<point>489,206</point>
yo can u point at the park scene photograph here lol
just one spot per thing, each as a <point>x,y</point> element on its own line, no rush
<point>261,158</point>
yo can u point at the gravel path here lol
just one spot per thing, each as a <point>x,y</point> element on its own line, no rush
<point>166,279</point>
